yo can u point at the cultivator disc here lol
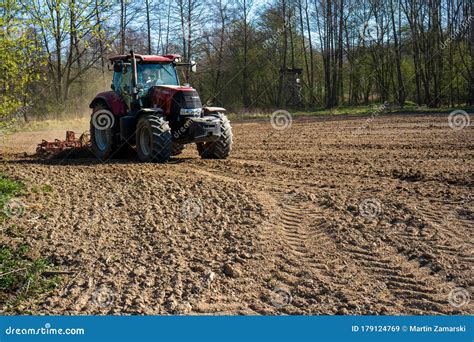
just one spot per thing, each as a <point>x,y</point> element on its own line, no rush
<point>51,148</point>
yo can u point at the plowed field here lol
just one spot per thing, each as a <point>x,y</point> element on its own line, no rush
<point>313,219</point>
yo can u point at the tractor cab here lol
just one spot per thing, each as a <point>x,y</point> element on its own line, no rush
<point>151,71</point>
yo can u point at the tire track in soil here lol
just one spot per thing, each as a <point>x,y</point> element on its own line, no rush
<point>340,288</point>
<point>437,240</point>
<point>294,266</point>
<point>321,287</point>
<point>409,291</point>
<point>408,288</point>
<point>286,226</point>
<point>294,231</point>
<point>411,278</point>
<point>414,287</point>
<point>289,268</point>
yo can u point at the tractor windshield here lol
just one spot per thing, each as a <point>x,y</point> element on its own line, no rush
<point>156,74</point>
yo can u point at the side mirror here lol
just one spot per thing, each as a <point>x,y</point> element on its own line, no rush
<point>118,66</point>
<point>193,66</point>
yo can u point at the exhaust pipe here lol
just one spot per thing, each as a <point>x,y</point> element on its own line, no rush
<point>134,76</point>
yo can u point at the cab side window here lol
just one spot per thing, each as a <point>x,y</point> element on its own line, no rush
<point>125,87</point>
<point>125,84</point>
<point>116,81</point>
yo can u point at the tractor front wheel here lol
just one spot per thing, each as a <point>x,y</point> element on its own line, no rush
<point>221,148</point>
<point>153,137</point>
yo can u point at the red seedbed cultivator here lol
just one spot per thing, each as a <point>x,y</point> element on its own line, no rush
<point>58,146</point>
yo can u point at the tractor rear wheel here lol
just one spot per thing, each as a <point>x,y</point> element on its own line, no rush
<point>221,148</point>
<point>101,132</point>
<point>153,137</point>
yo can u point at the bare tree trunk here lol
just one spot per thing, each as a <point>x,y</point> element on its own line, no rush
<point>101,37</point>
<point>411,15</point>
<point>400,85</point>
<point>303,42</point>
<point>122,26</point>
<point>220,51</point>
<point>450,19</point>
<point>292,43</point>
<point>168,28</point>
<point>284,56</point>
<point>59,80</point>
<point>340,56</point>
<point>325,35</point>
<point>190,20</point>
<point>471,49</point>
<point>68,65</point>
<point>436,53</point>
<point>245,74</point>
<point>148,25</point>
<point>311,56</point>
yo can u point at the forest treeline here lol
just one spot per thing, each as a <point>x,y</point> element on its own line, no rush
<point>251,54</point>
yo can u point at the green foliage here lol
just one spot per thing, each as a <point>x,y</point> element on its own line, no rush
<point>8,189</point>
<point>21,277</point>
<point>18,64</point>
<point>45,188</point>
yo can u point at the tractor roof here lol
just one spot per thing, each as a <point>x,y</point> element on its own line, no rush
<point>146,58</point>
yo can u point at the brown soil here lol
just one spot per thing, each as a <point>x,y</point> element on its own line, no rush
<point>308,220</point>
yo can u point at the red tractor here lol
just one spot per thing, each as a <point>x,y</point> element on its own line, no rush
<point>149,109</point>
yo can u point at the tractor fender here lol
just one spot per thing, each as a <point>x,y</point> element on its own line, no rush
<point>128,123</point>
<point>209,110</point>
<point>145,111</point>
<point>113,102</point>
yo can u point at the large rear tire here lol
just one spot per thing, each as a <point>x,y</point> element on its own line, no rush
<point>101,132</point>
<point>221,148</point>
<point>154,140</point>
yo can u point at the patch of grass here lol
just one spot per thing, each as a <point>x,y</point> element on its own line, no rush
<point>45,188</point>
<point>22,277</point>
<point>350,110</point>
<point>343,110</point>
<point>9,188</point>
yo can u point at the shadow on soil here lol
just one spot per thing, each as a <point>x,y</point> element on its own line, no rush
<point>84,157</point>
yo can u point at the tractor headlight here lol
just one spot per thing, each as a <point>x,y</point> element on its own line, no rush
<point>190,111</point>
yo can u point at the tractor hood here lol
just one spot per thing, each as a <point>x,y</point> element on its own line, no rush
<point>176,87</point>
<point>169,97</point>
<point>171,89</point>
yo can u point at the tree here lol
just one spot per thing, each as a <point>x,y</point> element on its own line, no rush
<point>20,60</point>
